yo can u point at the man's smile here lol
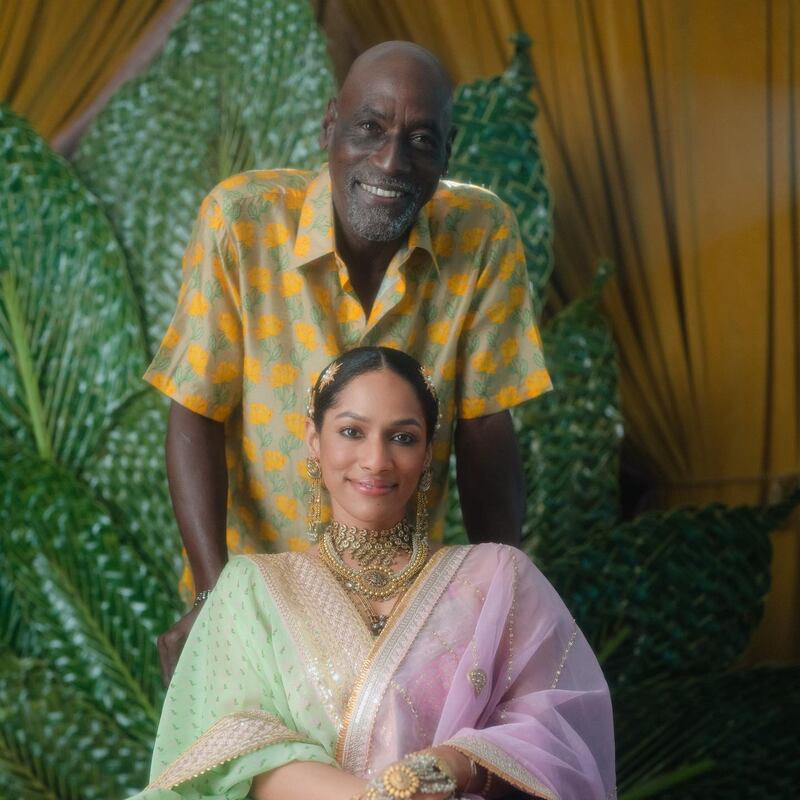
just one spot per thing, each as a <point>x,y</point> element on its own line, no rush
<point>378,191</point>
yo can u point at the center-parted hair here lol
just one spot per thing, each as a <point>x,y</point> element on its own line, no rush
<point>362,360</point>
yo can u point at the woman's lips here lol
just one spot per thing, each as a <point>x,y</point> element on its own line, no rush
<point>372,488</point>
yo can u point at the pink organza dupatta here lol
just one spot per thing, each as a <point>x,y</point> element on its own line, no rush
<point>484,656</point>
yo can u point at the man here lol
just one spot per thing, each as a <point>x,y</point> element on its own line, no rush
<point>286,269</point>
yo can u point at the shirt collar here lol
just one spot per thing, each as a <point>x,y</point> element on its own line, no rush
<point>315,238</point>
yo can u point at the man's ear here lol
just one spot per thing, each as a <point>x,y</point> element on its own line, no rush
<point>328,121</point>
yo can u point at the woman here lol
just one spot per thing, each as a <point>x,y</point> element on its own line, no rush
<point>369,667</point>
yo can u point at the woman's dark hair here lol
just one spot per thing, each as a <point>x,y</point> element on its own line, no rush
<point>371,359</point>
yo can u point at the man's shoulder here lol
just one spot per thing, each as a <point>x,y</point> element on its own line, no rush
<point>467,196</point>
<point>276,186</point>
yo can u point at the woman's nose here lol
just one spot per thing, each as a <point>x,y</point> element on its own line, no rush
<point>375,455</point>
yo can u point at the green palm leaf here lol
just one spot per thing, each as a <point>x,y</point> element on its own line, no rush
<point>496,146</point>
<point>711,737</point>
<point>90,606</point>
<point>71,348</point>
<point>53,744</point>
<point>675,592</point>
<point>241,84</point>
<point>128,473</point>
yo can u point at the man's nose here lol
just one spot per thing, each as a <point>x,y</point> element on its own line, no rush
<point>392,157</point>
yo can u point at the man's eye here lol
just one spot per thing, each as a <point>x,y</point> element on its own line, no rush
<point>368,126</point>
<point>423,140</point>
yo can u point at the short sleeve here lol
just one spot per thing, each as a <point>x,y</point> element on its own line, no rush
<point>199,361</point>
<point>500,352</point>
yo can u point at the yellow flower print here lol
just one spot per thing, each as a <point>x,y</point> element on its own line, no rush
<point>244,232</point>
<point>233,538</point>
<point>349,310</point>
<point>246,516</point>
<point>196,403</point>
<point>376,311</point>
<point>164,383</point>
<point>427,289</point>
<point>249,447</point>
<point>534,335</point>
<point>198,251</point>
<point>507,266</point>
<point>508,350</point>
<point>215,218</point>
<point>182,293</point>
<point>171,337</point>
<point>275,235</point>
<point>295,423</point>
<point>273,460</point>
<point>321,297</point>
<point>297,544</point>
<point>449,370</point>
<point>484,362</point>
<point>286,505</point>
<point>257,489</point>
<point>331,347</point>
<point>259,413</point>
<point>268,325</point>
<point>302,245</point>
<point>198,305</point>
<point>516,296</point>
<point>229,325</point>
<point>224,371</point>
<point>508,396</point>
<point>282,374</point>
<point>306,335</point>
<point>470,239</point>
<point>198,359</point>
<point>537,382</point>
<point>252,369</point>
<point>439,331</point>
<point>472,407</point>
<point>453,200</point>
<point>302,470</point>
<point>500,234</point>
<point>458,284</point>
<point>498,312</point>
<point>220,413</point>
<point>306,216</point>
<point>293,199</point>
<point>233,181</point>
<point>259,278</point>
<point>291,284</point>
<point>270,196</point>
<point>268,532</point>
<point>443,245</point>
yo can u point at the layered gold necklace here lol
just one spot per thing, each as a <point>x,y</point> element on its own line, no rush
<point>375,553</point>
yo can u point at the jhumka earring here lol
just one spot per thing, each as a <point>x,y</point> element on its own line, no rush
<point>421,527</point>
<point>315,509</point>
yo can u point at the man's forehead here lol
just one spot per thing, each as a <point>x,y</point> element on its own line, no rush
<point>381,93</point>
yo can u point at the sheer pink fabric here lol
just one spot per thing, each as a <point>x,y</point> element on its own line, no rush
<point>543,719</point>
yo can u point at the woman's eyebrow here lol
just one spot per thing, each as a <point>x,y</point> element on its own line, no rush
<point>396,423</point>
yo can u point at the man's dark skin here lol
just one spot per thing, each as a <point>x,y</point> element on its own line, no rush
<point>389,128</point>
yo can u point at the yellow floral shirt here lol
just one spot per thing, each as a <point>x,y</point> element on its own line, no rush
<point>266,303</point>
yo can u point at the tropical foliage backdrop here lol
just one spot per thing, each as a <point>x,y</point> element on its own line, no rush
<point>89,552</point>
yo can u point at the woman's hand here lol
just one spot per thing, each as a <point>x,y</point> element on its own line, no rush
<point>306,780</point>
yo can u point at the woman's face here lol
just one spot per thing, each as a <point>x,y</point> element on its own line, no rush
<point>372,450</point>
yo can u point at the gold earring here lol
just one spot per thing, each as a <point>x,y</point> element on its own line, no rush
<point>314,516</point>
<point>421,526</point>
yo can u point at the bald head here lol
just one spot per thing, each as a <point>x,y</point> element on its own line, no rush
<point>388,137</point>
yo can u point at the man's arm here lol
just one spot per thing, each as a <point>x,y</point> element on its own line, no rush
<point>198,485</point>
<point>491,483</point>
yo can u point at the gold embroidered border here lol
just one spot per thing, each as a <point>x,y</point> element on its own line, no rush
<point>228,738</point>
<point>389,650</point>
<point>330,637</point>
<point>497,761</point>
<point>572,637</point>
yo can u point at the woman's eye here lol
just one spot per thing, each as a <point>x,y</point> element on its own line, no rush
<point>404,438</point>
<point>350,433</point>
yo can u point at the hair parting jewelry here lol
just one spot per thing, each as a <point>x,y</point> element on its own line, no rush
<point>431,386</point>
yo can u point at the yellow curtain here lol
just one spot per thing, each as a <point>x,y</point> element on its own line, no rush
<point>670,131</point>
<point>56,56</point>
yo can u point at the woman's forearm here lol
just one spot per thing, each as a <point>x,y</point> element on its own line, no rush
<point>307,780</point>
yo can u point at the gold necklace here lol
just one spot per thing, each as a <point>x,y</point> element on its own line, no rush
<point>374,582</point>
<point>372,548</point>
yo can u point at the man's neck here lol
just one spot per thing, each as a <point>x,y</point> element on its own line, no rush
<point>366,264</point>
